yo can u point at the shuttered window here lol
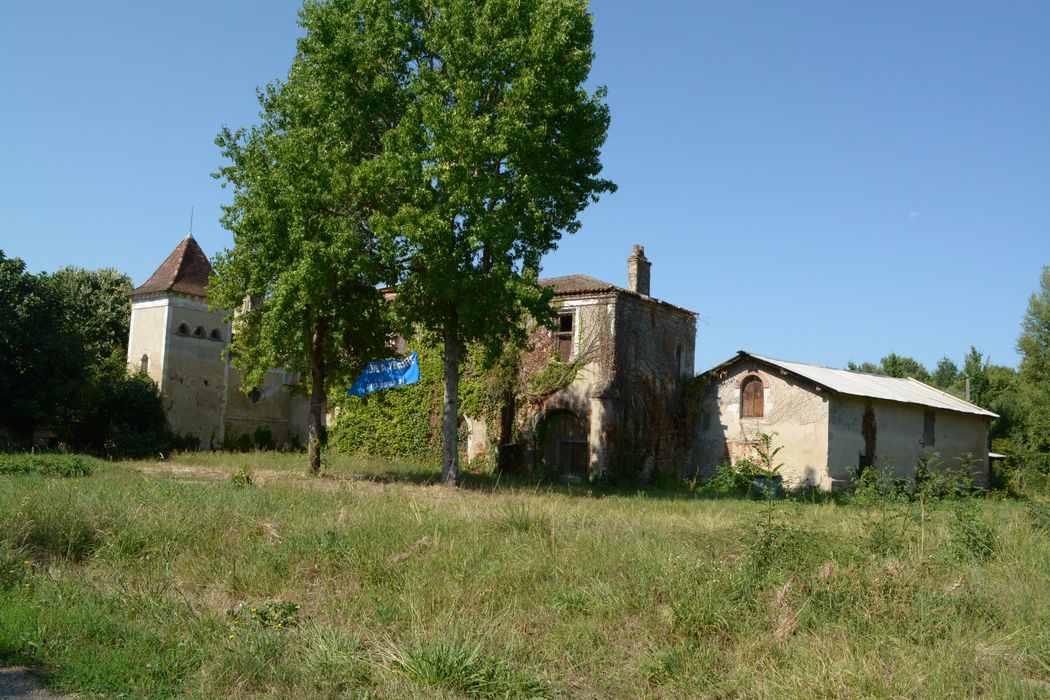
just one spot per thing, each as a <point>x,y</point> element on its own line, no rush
<point>751,398</point>
<point>565,336</point>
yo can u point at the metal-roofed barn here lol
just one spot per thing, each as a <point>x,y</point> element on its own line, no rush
<point>831,422</point>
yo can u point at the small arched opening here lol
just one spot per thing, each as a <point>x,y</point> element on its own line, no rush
<point>183,329</point>
<point>199,332</point>
<point>563,445</point>
<point>215,334</point>
<point>144,363</point>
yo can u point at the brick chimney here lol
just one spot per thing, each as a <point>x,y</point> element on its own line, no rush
<point>638,271</point>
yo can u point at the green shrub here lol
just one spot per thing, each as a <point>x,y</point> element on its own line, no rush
<point>242,478</point>
<point>46,464</point>
<point>970,537</point>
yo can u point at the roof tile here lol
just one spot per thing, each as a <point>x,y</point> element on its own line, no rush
<point>185,271</point>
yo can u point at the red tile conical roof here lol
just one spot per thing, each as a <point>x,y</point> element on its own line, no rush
<point>185,271</point>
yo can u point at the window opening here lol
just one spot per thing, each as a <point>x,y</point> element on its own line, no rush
<point>215,335</point>
<point>144,363</point>
<point>199,332</point>
<point>929,425</point>
<point>183,329</point>
<point>255,396</point>
<point>564,335</point>
<point>752,398</point>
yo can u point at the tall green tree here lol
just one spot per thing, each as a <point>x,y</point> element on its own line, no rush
<point>494,160</point>
<point>95,304</point>
<point>304,256</point>
<point>1034,346</point>
<point>42,360</point>
<point>946,375</point>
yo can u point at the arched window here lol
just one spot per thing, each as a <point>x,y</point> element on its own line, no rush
<point>144,363</point>
<point>255,396</point>
<point>752,404</point>
<point>215,334</point>
<point>199,332</point>
<point>183,329</point>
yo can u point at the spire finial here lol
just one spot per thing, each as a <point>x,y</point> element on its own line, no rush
<point>190,234</point>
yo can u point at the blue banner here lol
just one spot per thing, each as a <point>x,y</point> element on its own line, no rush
<point>387,374</point>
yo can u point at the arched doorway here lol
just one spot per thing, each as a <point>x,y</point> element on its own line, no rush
<point>563,445</point>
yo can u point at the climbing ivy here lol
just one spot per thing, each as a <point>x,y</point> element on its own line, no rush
<point>406,421</point>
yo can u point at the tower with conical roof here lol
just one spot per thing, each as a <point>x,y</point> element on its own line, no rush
<point>181,343</point>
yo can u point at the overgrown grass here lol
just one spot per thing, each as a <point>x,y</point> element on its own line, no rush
<point>157,579</point>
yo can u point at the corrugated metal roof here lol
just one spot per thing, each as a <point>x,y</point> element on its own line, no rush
<point>876,387</point>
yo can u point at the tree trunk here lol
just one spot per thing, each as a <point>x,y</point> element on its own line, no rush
<point>317,399</point>
<point>450,416</point>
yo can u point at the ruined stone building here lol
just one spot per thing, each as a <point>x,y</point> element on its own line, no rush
<point>633,353</point>
<point>181,344</point>
<point>833,422</point>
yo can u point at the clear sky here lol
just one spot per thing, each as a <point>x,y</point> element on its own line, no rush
<point>820,181</point>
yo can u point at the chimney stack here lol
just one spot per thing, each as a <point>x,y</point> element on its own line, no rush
<point>638,271</point>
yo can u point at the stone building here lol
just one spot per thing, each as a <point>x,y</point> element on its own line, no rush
<point>632,354</point>
<point>181,344</point>
<point>831,422</point>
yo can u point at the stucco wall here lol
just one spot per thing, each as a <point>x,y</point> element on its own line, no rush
<point>899,437</point>
<point>200,392</point>
<point>792,409</point>
<point>149,320</point>
<point>194,383</point>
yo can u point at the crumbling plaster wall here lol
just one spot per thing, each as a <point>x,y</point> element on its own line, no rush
<point>899,432</point>
<point>655,345</point>
<point>795,410</point>
<point>588,396</point>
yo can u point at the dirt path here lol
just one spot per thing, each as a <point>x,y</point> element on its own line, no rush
<point>22,683</point>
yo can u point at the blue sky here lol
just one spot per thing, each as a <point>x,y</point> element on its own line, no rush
<point>821,181</point>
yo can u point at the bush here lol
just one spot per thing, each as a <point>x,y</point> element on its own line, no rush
<point>46,464</point>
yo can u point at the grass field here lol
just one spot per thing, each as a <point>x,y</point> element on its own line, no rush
<point>180,578</point>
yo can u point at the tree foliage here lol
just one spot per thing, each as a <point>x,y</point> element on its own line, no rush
<point>497,154</point>
<point>1034,346</point>
<point>41,356</point>
<point>453,137</point>
<point>303,253</point>
<point>63,340</point>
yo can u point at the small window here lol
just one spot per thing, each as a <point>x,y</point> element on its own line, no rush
<point>678,360</point>
<point>215,334</point>
<point>752,398</point>
<point>144,363</point>
<point>183,329</point>
<point>255,396</point>
<point>199,332</point>
<point>929,426</point>
<point>564,336</point>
